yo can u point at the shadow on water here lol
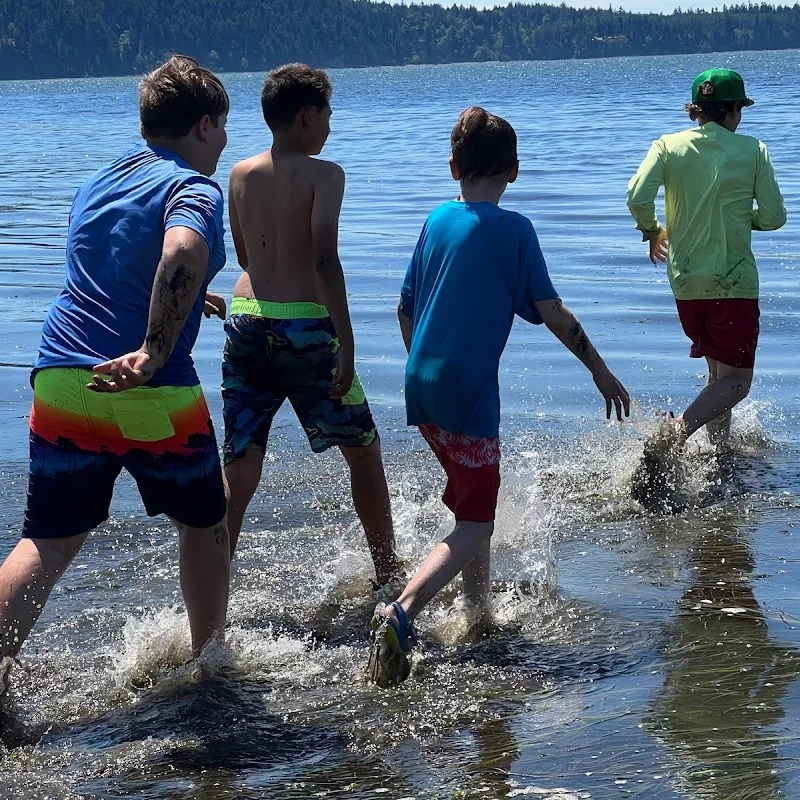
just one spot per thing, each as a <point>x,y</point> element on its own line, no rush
<point>725,678</point>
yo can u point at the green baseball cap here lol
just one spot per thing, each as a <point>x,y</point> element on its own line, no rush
<point>719,86</point>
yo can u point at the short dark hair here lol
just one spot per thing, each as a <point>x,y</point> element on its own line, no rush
<point>713,110</point>
<point>177,95</point>
<point>290,88</point>
<point>483,145</point>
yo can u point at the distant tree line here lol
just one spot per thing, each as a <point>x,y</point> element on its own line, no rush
<point>74,38</point>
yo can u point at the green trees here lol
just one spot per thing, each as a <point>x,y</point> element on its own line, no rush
<point>74,38</point>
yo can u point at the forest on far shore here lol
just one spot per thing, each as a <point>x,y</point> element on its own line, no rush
<point>76,38</point>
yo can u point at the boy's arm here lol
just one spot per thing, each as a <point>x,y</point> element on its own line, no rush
<point>405,309</point>
<point>406,326</point>
<point>327,203</point>
<point>771,212</point>
<point>569,331</point>
<point>236,228</point>
<point>215,306</point>
<point>642,192</point>
<point>179,278</point>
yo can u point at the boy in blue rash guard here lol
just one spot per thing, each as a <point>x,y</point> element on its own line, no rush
<point>475,267</point>
<point>114,383</point>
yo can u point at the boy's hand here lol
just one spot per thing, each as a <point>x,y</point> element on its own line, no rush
<point>659,247</point>
<point>613,392</point>
<point>345,372</point>
<point>215,306</point>
<point>126,372</point>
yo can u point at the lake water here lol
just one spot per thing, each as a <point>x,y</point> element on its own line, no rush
<point>644,656</point>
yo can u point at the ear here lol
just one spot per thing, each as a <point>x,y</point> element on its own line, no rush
<point>201,129</point>
<point>513,173</point>
<point>306,116</point>
<point>454,170</point>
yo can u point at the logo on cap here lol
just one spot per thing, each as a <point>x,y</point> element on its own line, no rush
<point>706,89</point>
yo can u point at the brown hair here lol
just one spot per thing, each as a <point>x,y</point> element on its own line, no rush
<point>483,144</point>
<point>176,95</point>
<point>289,89</point>
<point>714,110</point>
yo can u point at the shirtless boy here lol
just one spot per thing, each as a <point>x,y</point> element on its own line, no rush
<point>289,333</point>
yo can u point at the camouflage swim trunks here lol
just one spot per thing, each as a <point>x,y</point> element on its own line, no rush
<point>275,351</point>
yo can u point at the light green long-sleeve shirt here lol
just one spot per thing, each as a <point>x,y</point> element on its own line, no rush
<point>710,177</point>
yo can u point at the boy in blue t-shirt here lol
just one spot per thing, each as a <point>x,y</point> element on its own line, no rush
<point>475,267</point>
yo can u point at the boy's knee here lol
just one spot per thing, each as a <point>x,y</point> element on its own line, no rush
<point>359,455</point>
<point>218,534</point>
<point>250,458</point>
<point>740,381</point>
<point>742,385</point>
<point>57,553</point>
<point>244,472</point>
<point>742,390</point>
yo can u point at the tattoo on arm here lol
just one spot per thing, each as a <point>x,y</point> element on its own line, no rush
<point>174,293</point>
<point>581,345</point>
<point>578,342</point>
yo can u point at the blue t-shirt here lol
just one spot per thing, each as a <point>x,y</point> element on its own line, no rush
<point>475,266</point>
<point>116,235</point>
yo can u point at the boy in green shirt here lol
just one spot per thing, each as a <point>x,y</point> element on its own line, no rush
<point>711,176</point>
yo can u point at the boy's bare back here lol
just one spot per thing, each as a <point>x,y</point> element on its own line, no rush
<point>284,209</point>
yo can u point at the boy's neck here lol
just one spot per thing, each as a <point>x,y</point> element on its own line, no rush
<point>181,147</point>
<point>287,144</point>
<point>729,124</point>
<point>482,191</point>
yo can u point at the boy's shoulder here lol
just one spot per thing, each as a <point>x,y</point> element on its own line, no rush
<point>304,168</point>
<point>750,141</point>
<point>325,170</point>
<point>480,213</point>
<point>515,218</point>
<point>143,166</point>
<point>252,165</point>
<point>678,139</point>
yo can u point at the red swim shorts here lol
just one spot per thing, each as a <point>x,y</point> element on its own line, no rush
<point>725,330</point>
<point>473,472</point>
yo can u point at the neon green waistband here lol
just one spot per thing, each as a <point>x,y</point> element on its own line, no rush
<point>270,310</point>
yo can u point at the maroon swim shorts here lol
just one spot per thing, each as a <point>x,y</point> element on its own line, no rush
<point>473,472</point>
<point>725,330</point>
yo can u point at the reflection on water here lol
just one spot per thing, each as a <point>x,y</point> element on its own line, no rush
<point>725,678</point>
<point>496,753</point>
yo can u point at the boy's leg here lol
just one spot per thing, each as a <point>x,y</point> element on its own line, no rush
<point>718,429</point>
<point>69,493</point>
<point>468,541</point>
<point>251,396</point>
<point>476,576</point>
<point>728,388</point>
<point>26,579</point>
<point>725,332</point>
<point>309,361</point>
<point>473,481</point>
<point>181,478</point>
<point>242,477</point>
<point>372,504</point>
<point>205,559</point>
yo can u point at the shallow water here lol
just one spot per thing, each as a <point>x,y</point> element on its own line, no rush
<point>641,655</point>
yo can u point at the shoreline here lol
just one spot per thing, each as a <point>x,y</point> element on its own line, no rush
<point>589,59</point>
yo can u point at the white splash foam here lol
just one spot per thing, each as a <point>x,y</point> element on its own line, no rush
<point>156,641</point>
<point>549,794</point>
